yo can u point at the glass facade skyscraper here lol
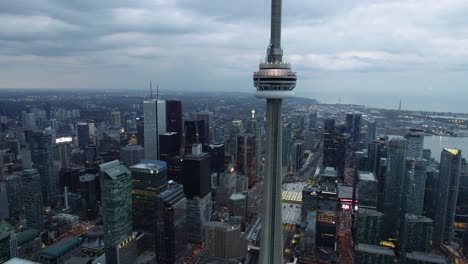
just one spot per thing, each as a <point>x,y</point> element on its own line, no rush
<point>155,124</point>
<point>448,183</point>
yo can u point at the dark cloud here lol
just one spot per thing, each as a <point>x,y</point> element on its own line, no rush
<point>216,45</point>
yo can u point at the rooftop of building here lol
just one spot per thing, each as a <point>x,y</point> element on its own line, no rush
<point>151,165</point>
<point>345,192</point>
<point>26,235</point>
<point>329,172</point>
<point>291,213</point>
<point>374,249</point>
<point>237,196</point>
<point>369,212</point>
<point>367,176</point>
<point>452,151</point>
<point>418,218</point>
<point>114,171</point>
<point>5,227</point>
<point>61,247</point>
<point>132,147</point>
<point>19,261</point>
<point>292,196</point>
<point>426,257</point>
<point>78,260</point>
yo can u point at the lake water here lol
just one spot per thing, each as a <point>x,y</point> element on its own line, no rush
<point>437,143</point>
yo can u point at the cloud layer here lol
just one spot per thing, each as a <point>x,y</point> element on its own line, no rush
<point>357,46</point>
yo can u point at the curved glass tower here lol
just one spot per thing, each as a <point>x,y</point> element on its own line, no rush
<point>274,82</point>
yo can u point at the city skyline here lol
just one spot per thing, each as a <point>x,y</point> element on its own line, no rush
<point>364,47</point>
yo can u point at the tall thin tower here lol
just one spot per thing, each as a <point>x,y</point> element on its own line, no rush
<point>274,81</point>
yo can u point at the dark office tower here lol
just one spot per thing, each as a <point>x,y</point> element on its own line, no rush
<point>169,145</point>
<point>371,131</point>
<point>367,190</point>
<point>427,154</point>
<point>376,150</point>
<point>32,198</point>
<point>82,133</point>
<point>216,152</point>
<point>393,185</point>
<point>329,125</point>
<point>414,186</point>
<point>309,200</point>
<point>334,151</point>
<point>415,143</point>
<point>171,233</point>
<point>353,127</point>
<point>415,234</point>
<point>116,182</point>
<point>174,169</point>
<point>174,116</point>
<point>297,155</point>
<point>286,146</point>
<point>14,192</point>
<point>131,154</point>
<point>70,178</point>
<point>369,229</point>
<point>88,190</point>
<point>62,154</point>
<point>149,178</point>
<point>430,195</point>
<point>196,173</point>
<point>91,156</point>
<point>140,128</point>
<point>194,134</point>
<point>461,213</point>
<point>449,181</point>
<point>246,159</point>
<point>42,157</point>
<point>207,118</point>
<point>313,120</point>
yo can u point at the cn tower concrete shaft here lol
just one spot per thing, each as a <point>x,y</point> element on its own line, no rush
<point>271,244</point>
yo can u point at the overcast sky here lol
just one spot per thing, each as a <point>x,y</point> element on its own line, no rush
<point>377,47</point>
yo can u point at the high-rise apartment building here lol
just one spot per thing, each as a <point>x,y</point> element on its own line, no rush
<point>116,184</point>
<point>32,198</point>
<point>415,234</point>
<point>369,227</point>
<point>82,134</point>
<point>42,157</point>
<point>371,131</point>
<point>116,120</point>
<point>414,186</point>
<point>393,186</point>
<point>447,186</point>
<point>415,143</point>
<point>353,127</point>
<point>154,111</point>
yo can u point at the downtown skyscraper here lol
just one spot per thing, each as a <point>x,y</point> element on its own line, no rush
<point>449,180</point>
<point>154,111</point>
<point>274,81</point>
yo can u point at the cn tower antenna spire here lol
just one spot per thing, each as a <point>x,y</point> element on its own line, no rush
<point>275,53</point>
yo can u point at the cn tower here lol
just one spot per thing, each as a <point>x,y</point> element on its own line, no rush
<point>274,82</point>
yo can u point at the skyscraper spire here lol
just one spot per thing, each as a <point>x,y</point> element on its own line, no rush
<point>275,53</point>
<point>151,90</point>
